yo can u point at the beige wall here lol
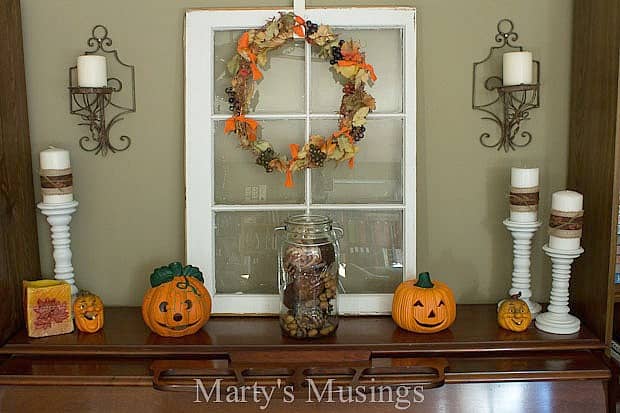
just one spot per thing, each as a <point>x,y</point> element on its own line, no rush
<point>130,217</point>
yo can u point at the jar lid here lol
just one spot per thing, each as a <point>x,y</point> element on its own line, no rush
<point>308,224</point>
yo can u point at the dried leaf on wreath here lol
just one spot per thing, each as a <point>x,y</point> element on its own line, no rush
<point>369,101</point>
<point>351,51</point>
<point>350,155</point>
<point>275,42</point>
<point>302,153</point>
<point>323,35</point>
<point>277,164</point>
<point>271,30</point>
<point>287,19</point>
<point>233,65</point>
<point>330,147</point>
<point>347,71</point>
<point>325,51</point>
<point>261,145</point>
<point>359,118</point>
<point>345,123</point>
<point>299,164</point>
<point>317,140</point>
<point>336,154</point>
<point>345,145</point>
<point>261,58</point>
<point>362,76</point>
<point>259,37</point>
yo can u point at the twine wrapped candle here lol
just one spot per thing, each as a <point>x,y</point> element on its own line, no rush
<point>566,221</point>
<point>524,194</point>
<point>56,176</point>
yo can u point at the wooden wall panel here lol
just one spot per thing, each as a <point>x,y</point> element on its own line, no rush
<point>19,256</point>
<point>593,153</point>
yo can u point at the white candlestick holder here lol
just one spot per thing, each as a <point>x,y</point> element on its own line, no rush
<point>522,235</point>
<point>59,218</point>
<point>557,319</point>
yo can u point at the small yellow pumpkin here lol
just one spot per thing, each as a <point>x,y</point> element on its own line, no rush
<point>423,306</point>
<point>88,312</point>
<point>178,304</point>
<point>514,314</point>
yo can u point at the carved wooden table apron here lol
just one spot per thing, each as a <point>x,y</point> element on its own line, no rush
<point>474,366</point>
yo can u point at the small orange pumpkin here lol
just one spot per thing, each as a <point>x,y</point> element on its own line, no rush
<point>88,312</point>
<point>178,304</point>
<point>423,306</point>
<point>514,314</point>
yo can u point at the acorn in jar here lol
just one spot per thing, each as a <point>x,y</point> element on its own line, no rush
<point>308,263</point>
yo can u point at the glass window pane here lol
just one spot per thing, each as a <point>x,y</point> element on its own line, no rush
<point>239,180</point>
<point>377,176</point>
<point>372,250</point>
<point>245,251</point>
<point>285,71</point>
<point>384,51</point>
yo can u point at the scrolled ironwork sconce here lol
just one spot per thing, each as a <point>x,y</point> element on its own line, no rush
<point>91,103</point>
<point>506,106</point>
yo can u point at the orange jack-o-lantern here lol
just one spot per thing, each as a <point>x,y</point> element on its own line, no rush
<point>514,314</point>
<point>423,306</point>
<point>88,312</point>
<point>178,304</point>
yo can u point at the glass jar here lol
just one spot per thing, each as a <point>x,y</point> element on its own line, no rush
<point>308,263</point>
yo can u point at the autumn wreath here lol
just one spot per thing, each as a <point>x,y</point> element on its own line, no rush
<point>345,58</point>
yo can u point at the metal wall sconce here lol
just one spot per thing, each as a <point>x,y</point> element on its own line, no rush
<point>506,106</point>
<point>91,103</point>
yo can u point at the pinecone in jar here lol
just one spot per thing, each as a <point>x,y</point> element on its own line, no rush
<point>328,254</point>
<point>310,316</point>
<point>300,257</point>
<point>307,285</point>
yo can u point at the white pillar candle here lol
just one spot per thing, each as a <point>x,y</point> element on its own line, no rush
<point>566,201</point>
<point>517,68</point>
<point>92,71</point>
<point>55,159</point>
<point>521,178</point>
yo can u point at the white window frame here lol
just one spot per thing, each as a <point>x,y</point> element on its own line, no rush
<point>200,25</point>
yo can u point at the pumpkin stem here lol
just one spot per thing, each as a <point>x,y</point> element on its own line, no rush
<point>184,285</point>
<point>516,296</point>
<point>424,281</point>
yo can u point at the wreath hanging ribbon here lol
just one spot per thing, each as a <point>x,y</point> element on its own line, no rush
<point>345,58</point>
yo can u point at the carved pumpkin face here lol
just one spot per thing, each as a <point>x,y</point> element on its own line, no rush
<point>514,314</point>
<point>178,304</point>
<point>88,312</point>
<point>423,306</point>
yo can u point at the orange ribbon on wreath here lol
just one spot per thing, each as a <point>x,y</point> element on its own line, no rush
<point>243,48</point>
<point>299,26</point>
<point>289,171</point>
<point>231,124</point>
<point>366,66</point>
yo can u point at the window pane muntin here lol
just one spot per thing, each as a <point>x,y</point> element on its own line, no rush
<point>245,253</point>
<point>372,249</point>
<point>239,181</point>
<point>377,176</point>
<point>286,66</point>
<point>383,48</point>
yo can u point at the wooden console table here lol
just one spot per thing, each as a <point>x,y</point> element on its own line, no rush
<point>473,366</point>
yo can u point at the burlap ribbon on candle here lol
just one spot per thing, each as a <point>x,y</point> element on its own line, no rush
<point>564,224</point>
<point>524,199</point>
<point>56,181</point>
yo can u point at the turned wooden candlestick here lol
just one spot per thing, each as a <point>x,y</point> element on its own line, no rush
<point>59,218</point>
